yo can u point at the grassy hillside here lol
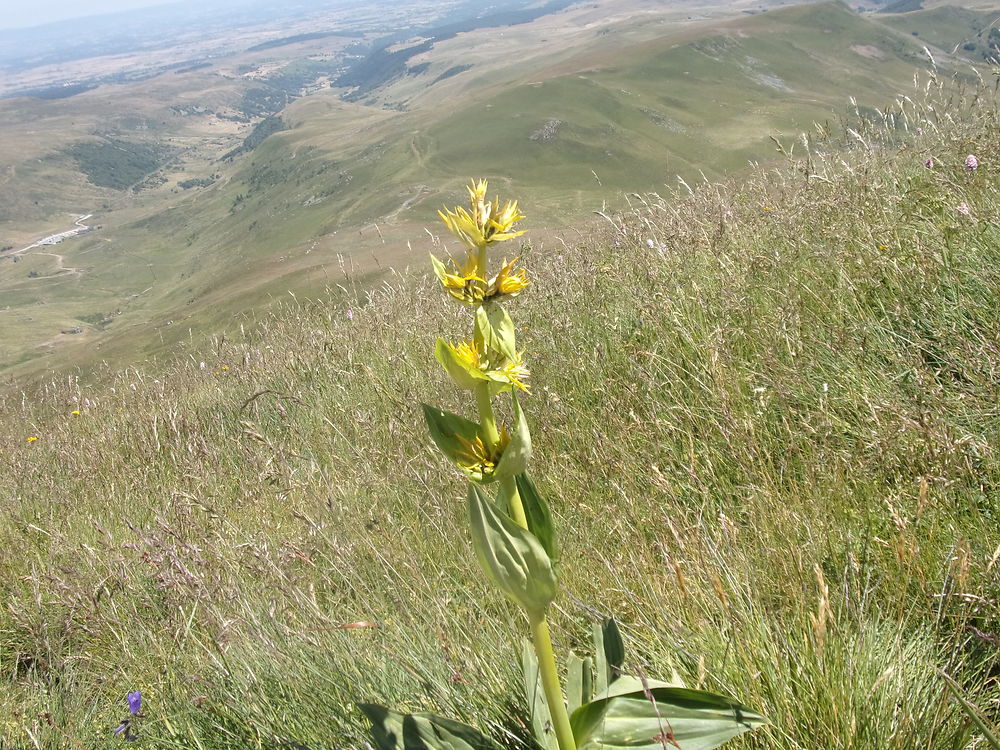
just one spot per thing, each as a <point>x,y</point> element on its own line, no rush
<point>566,112</point>
<point>950,29</point>
<point>766,410</point>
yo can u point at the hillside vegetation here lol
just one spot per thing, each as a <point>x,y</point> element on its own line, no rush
<point>576,105</point>
<point>766,412</point>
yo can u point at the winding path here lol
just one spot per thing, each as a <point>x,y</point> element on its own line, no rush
<point>55,239</point>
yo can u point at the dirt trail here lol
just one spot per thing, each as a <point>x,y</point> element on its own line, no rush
<point>63,269</point>
<point>55,239</point>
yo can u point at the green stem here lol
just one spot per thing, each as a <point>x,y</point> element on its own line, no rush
<point>550,684</point>
<point>486,418</point>
<point>481,261</point>
<point>539,628</point>
<point>508,489</point>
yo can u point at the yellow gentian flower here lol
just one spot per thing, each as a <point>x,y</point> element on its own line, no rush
<point>485,222</point>
<point>478,227</point>
<point>469,366</point>
<point>508,281</point>
<point>516,373</point>
<point>501,223</point>
<point>477,457</point>
<point>462,281</point>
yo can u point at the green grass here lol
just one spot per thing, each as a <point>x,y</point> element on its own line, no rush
<point>765,414</point>
<point>634,113</point>
<point>947,28</point>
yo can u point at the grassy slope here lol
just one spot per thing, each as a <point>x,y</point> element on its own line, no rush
<point>636,109</point>
<point>946,28</point>
<point>765,415</point>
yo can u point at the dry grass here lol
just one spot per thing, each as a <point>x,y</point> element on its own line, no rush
<point>765,415</point>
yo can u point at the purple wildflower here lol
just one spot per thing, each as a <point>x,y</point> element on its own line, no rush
<point>120,728</point>
<point>971,162</point>
<point>962,208</point>
<point>929,164</point>
<point>134,702</point>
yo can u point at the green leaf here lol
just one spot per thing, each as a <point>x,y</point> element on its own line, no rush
<point>446,429</point>
<point>658,716</point>
<point>541,719</point>
<point>466,376</point>
<point>536,511</point>
<point>422,731</point>
<point>494,330</point>
<point>440,270</point>
<point>609,653</point>
<point>511,556</point>
<point>579,681</point>
<point>515,456</point>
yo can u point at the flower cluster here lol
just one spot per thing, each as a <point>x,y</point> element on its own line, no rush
<point>483,224</point>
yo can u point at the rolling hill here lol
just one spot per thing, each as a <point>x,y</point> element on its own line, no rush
<point>585,103</point>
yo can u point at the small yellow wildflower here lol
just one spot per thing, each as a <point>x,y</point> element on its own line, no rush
<point>468,352</point>
<point>478,227</point>
<point>75,412</point>
<point>516,373</point>
<point>224,368</point>
<point>464,284</point>
<point>31,439</point>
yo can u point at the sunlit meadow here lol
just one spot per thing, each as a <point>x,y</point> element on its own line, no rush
<point>764,414</point>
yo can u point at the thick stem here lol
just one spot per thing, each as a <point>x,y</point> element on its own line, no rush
<point>539,628</point>
<point>486,418</point>
<point>481,261</point>
<point>508,489</point>
<point>550,684</point>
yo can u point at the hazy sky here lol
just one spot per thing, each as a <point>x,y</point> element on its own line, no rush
<point>18,13</point>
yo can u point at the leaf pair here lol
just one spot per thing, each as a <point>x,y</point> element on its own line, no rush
<point>651,715</point>
<point>513,557</point>
<point>421,731</point>
<point>628,712</point>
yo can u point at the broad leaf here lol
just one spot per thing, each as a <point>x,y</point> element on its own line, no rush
<point>541,719</point>
<point>453,434</point>
<point>465,375</point>
<point>515,456</point>
<point>609,653</point>
<point>421,731</point>
<point>537,513</point>
<point>579,681</point>
<point>511,556</point>
<point>657,716</point>
<point>440,270</point>
<point>494,330</point>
